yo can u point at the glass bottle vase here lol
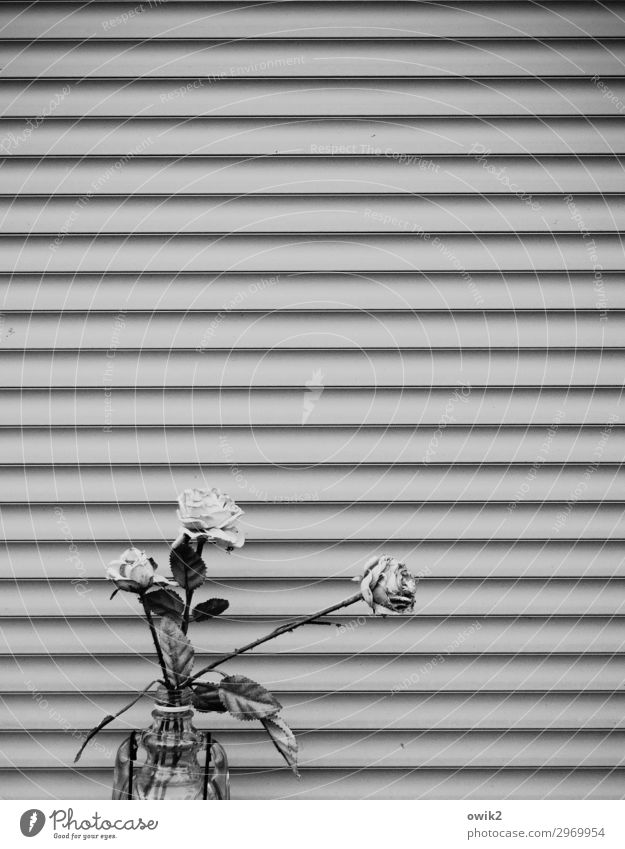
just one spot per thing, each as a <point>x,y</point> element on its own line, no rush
<point>171,759</point>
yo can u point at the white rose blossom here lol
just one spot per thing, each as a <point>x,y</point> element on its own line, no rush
<point>387,586</point>
<point>135,572</point>
<point>209,514</point>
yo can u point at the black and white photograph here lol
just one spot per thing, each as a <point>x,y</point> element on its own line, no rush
<point>312,331</point>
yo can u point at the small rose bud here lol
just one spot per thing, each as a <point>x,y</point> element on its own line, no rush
<point>135,572</point>
<point>387,586</point>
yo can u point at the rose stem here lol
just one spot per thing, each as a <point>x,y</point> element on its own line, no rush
<point>109,719</point>
<point>188,595</point>
<point>157,645</point>
<point>282,629</point>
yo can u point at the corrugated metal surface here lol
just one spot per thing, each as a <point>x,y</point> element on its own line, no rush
<point>361,265</point>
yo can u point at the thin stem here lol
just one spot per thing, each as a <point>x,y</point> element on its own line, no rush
<point>189,594</point>
<point>108,719</point>
<point>157,645</point>
<point>188,598</point>
<point>282,629</point>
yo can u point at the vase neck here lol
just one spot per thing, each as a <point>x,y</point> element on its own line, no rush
<point>171,700</point>
<point>172,710</point>
<point>168,718</point>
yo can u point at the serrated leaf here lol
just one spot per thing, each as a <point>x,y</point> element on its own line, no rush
<point>206,698</point>
<point>188,568</point>
<point>164,603</point>
<point>246,699</point>
<point>209,609</point>
<point>283,739</point>
<point>177,650</point>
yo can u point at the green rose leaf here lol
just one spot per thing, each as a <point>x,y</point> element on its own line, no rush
<point>164,603</point>
<point>245,699</point>
<point>209,609</point>
<point>177,650</point>
<point>206,698</point>
<point>283,739</point>
<point>188,568</point>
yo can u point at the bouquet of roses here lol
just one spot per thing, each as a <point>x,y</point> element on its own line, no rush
<point>210,516</point>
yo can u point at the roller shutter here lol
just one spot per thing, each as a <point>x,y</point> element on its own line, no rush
<point>360,264</point>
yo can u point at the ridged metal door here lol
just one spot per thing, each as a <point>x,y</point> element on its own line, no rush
<point>359,264</point>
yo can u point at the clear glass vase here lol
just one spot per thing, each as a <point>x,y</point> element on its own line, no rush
<point>171,759</point>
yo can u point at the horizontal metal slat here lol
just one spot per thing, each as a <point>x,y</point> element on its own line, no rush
<point>197,406</point>
<point>308,20</point>
<point>271,254</point>
<point>361,483</point>
<point>445,558</point>
<point>390,749</point>
<point>126,138</point>
<point>313,57</point>
<point>291,214</point>
<point>310,446</point>
<point>312,374</point>
<point>291,521</point>
<point>294,598</point>
<point>371,783</point>
<point>386,291</point>
<point>384,171</point>
<point>350,634</point>
<point>343,333</point>
<point>343,710</point>
<point>323,674</point>
<point>353,784</point>
<point>309,96</point>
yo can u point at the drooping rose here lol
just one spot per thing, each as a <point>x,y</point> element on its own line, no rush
<point>135,572</point>
<point>211,515</point>
<point>387,585</point>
